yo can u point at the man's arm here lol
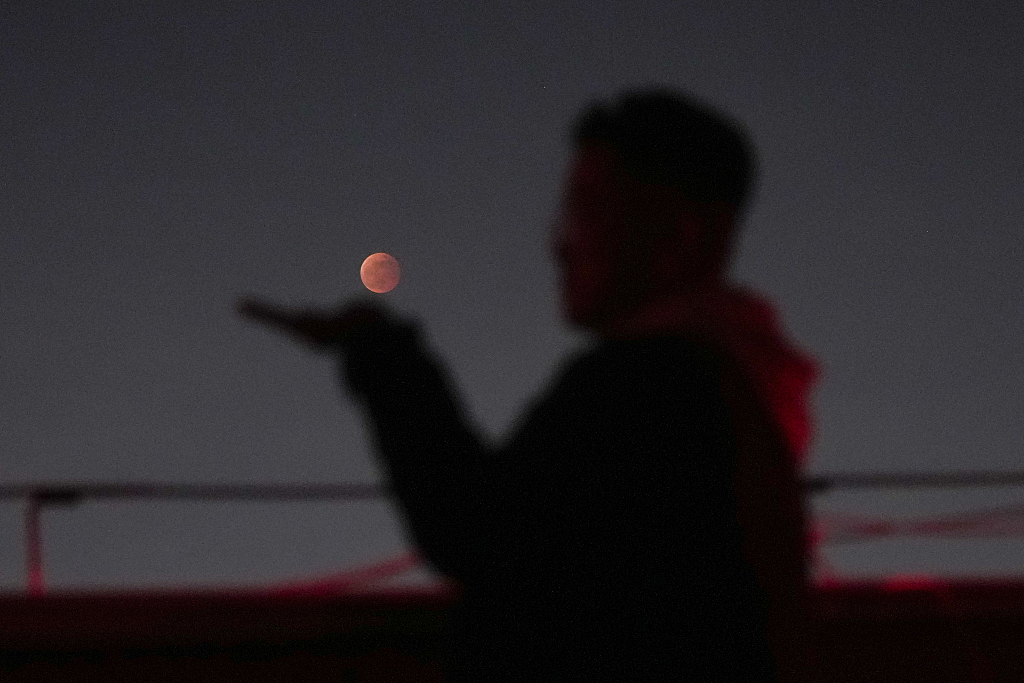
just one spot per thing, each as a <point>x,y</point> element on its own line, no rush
<point>438,465</point>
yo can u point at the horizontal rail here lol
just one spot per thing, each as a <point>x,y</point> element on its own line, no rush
<point>70,492</point>
<point>39,495</point>
<point>67,493</point>
<point>906,480</point>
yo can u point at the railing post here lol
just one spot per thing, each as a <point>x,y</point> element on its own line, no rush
<point>34,543</point>
<point>38,498</point>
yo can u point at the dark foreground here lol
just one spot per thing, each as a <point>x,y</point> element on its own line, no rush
<point>963,631</point>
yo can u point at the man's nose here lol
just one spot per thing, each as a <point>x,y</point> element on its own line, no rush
<point>558,242</point>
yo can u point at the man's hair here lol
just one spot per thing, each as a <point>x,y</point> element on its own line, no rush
<point>667,138</point>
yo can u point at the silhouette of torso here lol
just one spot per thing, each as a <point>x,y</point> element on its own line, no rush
<point>601,541</point>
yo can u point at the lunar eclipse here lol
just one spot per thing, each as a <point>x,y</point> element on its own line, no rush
<point>380,272</point>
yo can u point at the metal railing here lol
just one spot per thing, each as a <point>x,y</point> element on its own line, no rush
<point>923,480</point>
<point>41,495</point>
<point>38,496</point>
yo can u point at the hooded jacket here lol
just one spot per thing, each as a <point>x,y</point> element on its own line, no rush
<point>745,326</point>
<point>600,540</point>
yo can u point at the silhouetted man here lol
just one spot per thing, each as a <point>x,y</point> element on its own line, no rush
<point>644,521</point>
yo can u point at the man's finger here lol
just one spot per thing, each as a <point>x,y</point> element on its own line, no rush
<point>312,326</point>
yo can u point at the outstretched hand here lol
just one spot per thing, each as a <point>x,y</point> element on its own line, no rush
<point>315,327</point>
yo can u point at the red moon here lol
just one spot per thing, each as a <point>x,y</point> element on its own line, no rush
<point>380,272</point>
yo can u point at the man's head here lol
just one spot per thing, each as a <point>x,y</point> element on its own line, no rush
<point>653,197</point>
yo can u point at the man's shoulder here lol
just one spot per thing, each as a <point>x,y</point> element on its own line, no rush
<point>657,364</point>
<point>681,352</point>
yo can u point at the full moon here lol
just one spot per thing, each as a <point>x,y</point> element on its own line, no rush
<point>380,272</point>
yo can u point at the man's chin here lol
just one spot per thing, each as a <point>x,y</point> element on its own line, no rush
<point>603,319</point>
<point>583,319</point>
<point>573,318</point>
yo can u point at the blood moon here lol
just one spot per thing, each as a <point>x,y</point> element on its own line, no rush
<point>380,272</point>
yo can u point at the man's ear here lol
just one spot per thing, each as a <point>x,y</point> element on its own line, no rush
<point>697,246</point>
<point>674,258</point>
<point>712,234</point>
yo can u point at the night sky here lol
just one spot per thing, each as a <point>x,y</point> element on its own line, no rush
<point>158,160</point>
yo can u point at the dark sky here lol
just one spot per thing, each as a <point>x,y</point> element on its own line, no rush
<point>157,160</point>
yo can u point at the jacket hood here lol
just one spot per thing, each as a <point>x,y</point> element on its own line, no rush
<point>745,325</point>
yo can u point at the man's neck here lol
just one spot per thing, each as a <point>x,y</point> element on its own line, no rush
<point>658,310</point>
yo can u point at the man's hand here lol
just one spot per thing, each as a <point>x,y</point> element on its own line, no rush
<point>317,328</point>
